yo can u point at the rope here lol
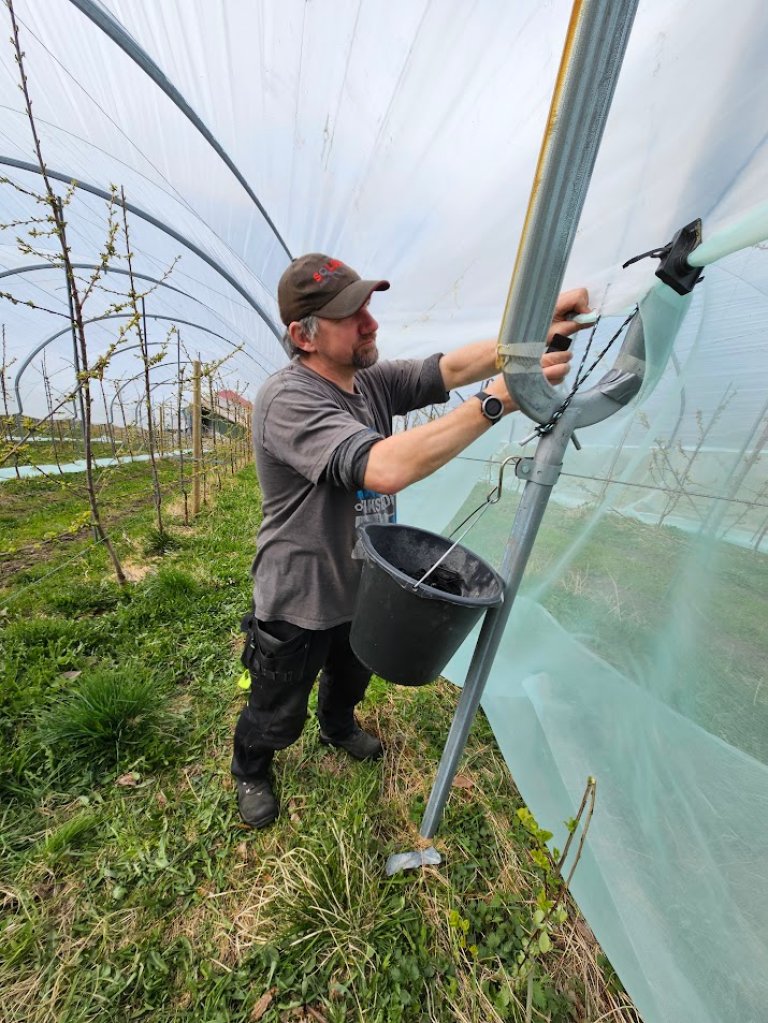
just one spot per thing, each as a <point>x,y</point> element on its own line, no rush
<point>582,374</point>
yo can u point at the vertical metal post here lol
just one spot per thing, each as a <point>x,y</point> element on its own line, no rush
<point>181,442</point>
<point>197,436</point>
<point>543,471</point>
<point>594,49</point>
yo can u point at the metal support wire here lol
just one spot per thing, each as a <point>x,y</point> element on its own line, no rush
<point>137,211</point>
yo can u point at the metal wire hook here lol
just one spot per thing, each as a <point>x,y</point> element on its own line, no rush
<point>493,497</point>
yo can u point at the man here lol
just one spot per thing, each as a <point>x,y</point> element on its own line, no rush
<point>327,461</point>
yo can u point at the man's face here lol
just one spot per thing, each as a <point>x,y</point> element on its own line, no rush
<point>351,342</point>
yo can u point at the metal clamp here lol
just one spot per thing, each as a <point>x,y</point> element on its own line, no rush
<point>545,475</point>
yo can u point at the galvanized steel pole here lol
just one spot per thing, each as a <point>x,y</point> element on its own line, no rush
<point>595,45</point>
<point>543,469</point>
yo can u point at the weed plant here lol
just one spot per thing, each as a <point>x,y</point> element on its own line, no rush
<point>129,890</point>
<point>159,543</point>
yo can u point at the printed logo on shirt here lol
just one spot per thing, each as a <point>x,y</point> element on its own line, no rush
<point>371,506</point>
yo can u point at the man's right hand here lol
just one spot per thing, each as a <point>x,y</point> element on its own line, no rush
<point>569,304</point>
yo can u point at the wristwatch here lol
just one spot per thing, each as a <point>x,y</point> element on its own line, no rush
<point>491,406</point>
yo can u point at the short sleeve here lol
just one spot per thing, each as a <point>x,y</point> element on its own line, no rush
<point>410,383</point>
<point>303,429</point>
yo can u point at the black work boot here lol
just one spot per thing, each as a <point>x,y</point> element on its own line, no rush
<point>256,802</point>
<point>358,744</point>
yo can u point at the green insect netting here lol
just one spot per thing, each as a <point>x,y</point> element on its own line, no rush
<point>636,655</point>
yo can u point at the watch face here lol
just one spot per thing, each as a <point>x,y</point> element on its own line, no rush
<point>493,407</point>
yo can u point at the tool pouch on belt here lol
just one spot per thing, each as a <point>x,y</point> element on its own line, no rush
<point>275,651</point>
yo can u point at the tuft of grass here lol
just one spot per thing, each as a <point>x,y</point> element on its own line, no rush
<point>61,846</point>
<point>107,714</point>
<point>88,598</point>
<point>339,917</point>
<point>160,542</point>
<point>20,929</point>
<point>172,584</point>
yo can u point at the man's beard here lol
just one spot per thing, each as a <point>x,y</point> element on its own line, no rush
<point>364,358</point>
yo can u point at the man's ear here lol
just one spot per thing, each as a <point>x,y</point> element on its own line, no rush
<point>299,338</point>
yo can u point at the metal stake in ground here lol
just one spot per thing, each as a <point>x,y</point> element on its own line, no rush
<point>541,472</point>
<point>594,50</point>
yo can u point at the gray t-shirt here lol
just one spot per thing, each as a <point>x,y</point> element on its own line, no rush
<point>305,571</point>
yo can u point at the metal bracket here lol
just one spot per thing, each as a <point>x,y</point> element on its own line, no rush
<point>545,475</point>
<point>429,857</point>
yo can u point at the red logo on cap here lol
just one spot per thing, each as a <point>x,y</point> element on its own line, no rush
<point>328,269</point>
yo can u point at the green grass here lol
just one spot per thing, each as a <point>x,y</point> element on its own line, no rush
<point>131,891</point>
<point>36,511</point>
<point>68,449</point>
<point>106,715</point>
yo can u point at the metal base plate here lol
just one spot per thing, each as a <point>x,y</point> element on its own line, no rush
<point>428,857</point>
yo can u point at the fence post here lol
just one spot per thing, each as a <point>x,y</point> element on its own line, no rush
<point>197,437</point>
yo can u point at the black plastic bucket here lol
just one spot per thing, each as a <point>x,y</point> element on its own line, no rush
<point>408,633</point>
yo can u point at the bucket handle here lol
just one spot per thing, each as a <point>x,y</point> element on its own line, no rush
<point>493,497</point>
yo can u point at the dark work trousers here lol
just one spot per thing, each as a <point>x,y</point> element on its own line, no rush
<point>283,661</point>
